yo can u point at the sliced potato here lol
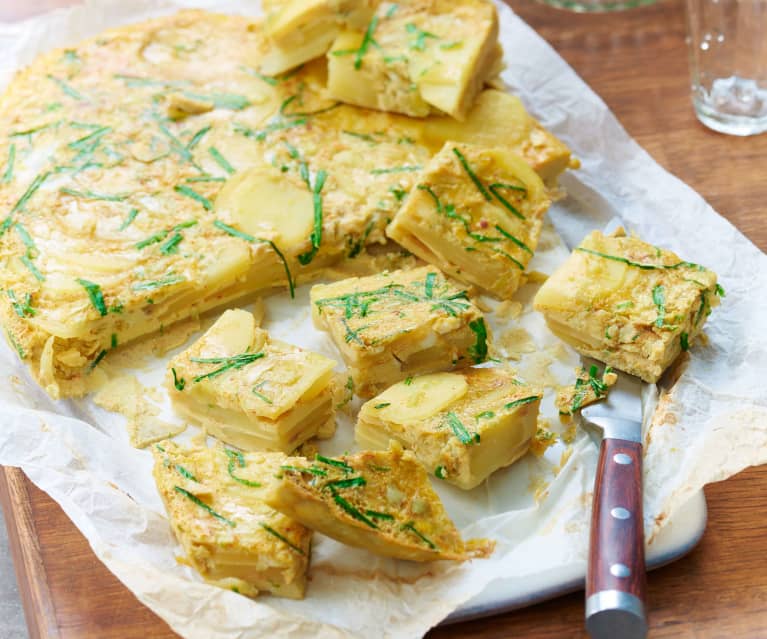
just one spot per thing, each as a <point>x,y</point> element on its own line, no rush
<point>421,397</point>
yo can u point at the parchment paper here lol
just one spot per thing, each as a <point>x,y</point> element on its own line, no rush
<point>711,425</point>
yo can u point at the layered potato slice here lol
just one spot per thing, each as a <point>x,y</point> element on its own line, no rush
<point>417,57</point>
<point>302,30</point>
<point>378,500</point>
<point>391,326</point>
<point>476,214</point>
<point>499,119</point>
<point>250,390</point>
<point>215,503</point>
<point>627,303</point>
<point>461,426</point>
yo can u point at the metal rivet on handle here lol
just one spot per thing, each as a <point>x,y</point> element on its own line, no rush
<point>620,570</point>
<point>622,459</point>
<point>620,513</point>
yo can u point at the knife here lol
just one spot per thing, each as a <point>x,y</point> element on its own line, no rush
<point>616,578</point>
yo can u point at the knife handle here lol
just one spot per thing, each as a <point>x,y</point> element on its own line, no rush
<point>616,579</point>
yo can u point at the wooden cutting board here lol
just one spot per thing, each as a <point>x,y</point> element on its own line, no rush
<point>637,62</point>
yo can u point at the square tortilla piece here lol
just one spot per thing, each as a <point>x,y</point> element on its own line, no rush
<point>250,390</point>
<point>214,499</point>
<point>628,303</point>
<point>461,426</point>
<point>395,325</point>
<point>476,214</point>
<point>378,500</point>
<point>417,57</point>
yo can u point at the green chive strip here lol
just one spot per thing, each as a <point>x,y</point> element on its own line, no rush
<point>429,285</point>
<point>520,402</point>
<point>185,473</point>
<point>221,160</point>
<point>171,244</point>
<point>98,359</point>
<point>235,362</point>
<point>374,514</point>
<point>494,188</point>
<point>479,350</point>
<point>236,459</point>
<point>8,175</point>
<point>32,268</point>
<point>204,506</point>
<point>684,341</point>
<point>261,396</point>
<point>516,241</point>
<point>26,238</point>
<point>460,431</point>
<point>92,195</point>
<point>90,141</point>
<point>647,267</point>
<point>22,309</point>
<point>411,527</point>
<point>128,220</point>
<point>249,238</point>
<point>70,91</point>
<point>487,414</point>
<point>472,175</point>
<point>95,294</point>
<point>397,169</point>
<point>312,470</point>
<point>352,482</point>
<point>283,539</point>
<point>352,511</point>
<point>36,184</point>
<point>659,299</point>
<point>155,284</point>
<point>316,235</point>
<point>194,195</point>
<point>178,382</point>
<point>197,137</point>
<point>367,40</point>
<point>336,463</point>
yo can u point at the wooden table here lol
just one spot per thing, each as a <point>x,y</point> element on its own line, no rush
<point>637,62</point>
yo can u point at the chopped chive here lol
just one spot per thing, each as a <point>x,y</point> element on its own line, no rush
<point>648,267</point>
<point>487,414</point>
<point>383,405</point>
<point>197,137</point>
<point>95,294</point>
<point>504,202</point>
<point>398,193</point>
<point>90,140</point>
<point>362,136</point>
<point>352,482</point>
<point>374,514</point>
<point>316,235</point>
<point>460,431</point>
<point>22,309</point>
<point>429,285</point>
<point>236,459</point>
<point>472,175</point>
<point>397,169</point>
<point>92,195</point>
<point>134,81</point>
<point>367,40</point>
<point>249,238</point>
<point>520,402</point>
<point>313,470</point>
<point>419,44</point>
<point>8,175</point>
<point>14,342</point>
<point>221,160</point>
<point>352,511</point>
<point>191,193</point>
<point>719,290</point>
<point>336,463</point>
<point>223,100</point>
<point>176,144</point>
<point>32,268</point>
<point>659,299</point>
<point>113,341</point>
<point>236,362</point>
<point>283,539</point>
<point>411,527</point>
<point>624,305</point>
<point>185,473</point>
<point>684,341</point>
<point>36,184</point>
<point>178,382</point>
<point>408,381</point>
<point>171,244</point>
<point>152,239</point>
<point>26,238</point>
<point>479,350</point>
<point>440,472</point>
<point>98,359</point>
<point>261,396</point>
<point>151,286</point>
<point>128,220</point>
<point>204,506</point>
<point>516,241</point>
<point>66,88</point>
<point>450,45</point>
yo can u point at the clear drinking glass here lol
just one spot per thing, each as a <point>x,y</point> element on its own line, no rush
<point>727,43</point>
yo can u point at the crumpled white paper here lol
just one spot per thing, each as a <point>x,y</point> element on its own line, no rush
<point>711,425</point>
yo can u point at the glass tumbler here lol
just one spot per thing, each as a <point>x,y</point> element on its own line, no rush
<point>727,44</point>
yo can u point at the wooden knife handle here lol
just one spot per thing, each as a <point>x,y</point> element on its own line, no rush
<point>616,579</point>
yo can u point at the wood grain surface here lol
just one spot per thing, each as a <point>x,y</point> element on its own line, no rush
<point>637,62</point>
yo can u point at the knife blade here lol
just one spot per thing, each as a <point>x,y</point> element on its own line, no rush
<point>616,577</point>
